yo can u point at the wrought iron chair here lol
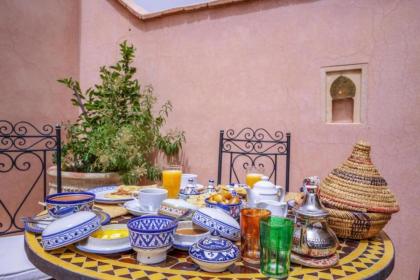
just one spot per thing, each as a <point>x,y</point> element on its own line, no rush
<point>22,145</point>
<point>257,147</point>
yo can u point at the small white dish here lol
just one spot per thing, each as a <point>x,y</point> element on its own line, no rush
<point>70,229</point>
<point>103,251</point>
<point>106,246</point>
<point>184,241</point>
<point>134,208</point>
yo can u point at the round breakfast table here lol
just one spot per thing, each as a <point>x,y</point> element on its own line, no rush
<point>365,259</point>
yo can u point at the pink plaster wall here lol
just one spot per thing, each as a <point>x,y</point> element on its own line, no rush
<point>258,64</point>
<point>39,43</point>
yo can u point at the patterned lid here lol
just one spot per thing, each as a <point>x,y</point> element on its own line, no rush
<point>214,244</point>
<point>357,185</point>
<point>214,250</point>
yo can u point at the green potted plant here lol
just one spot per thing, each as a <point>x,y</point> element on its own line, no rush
<point>117,134</point>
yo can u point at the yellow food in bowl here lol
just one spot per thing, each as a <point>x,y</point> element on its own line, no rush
<point>110,233</point>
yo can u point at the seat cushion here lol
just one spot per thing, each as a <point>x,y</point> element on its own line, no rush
<point>13,261</point>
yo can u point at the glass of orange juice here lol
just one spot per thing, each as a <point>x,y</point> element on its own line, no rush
<point>171,180</point>
<point>253,175</point>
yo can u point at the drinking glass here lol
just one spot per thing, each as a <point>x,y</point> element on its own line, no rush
<point>276,236</point>
<point>253,175</point>
<point>250,234</point>
<point>171,180</point>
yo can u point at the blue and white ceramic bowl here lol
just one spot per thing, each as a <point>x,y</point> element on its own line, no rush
<point>63,204</point>
<point>217,222</point>
<point>232,209</point>
<point>70,229</point>
<point>214,254</point>
<point>188,233</point>
<point>151,237</point>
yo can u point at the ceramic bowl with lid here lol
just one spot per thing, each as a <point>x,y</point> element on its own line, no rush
<point>63,204</point>
<point>217,222</point>
<point>70,229</point>
<point>233,209</point>
<point>188,233</point>
<point>151,237</point>
<point>214,254</point>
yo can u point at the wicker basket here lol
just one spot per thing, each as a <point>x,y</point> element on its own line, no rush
<point>357,185</point>
<point>356,225</point>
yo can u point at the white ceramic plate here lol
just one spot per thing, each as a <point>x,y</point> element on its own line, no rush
<point>103,250</point>
<point>100,193</point>
<point>133,208</point>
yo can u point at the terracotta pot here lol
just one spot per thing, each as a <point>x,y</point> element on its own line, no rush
<point>79,181</point>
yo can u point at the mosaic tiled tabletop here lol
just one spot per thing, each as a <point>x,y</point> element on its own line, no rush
<point>366,259</point>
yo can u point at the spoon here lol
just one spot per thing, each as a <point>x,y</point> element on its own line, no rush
<point>35,221</point>
<point>184,215</point>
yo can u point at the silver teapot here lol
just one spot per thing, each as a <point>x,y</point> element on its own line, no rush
<point>312,237</point>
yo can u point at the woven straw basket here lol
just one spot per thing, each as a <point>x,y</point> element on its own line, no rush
<point>357,185</point>
<point>356,225</point>
<point>357,197</point>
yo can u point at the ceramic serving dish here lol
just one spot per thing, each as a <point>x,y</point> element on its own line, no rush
<point>63,204</point>
<point>108,239</point>
<point>176,208</point>
<point>233,210</point>
<point>217,222</point>
<point>214,254</point>
<point>151,237</point>
<point>42,221</point>
<point>187,233</point>
<point>70,229</point>
<point>102,192</point>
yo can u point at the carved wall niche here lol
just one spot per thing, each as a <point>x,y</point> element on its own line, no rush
<point>343,92</point>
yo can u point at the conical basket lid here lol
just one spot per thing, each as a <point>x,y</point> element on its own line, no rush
<point>357,185</point>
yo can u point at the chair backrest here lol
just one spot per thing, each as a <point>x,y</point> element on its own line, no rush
<point>257,147</point>
<point>21,146</point>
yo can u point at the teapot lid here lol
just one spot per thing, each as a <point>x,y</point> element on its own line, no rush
<point>264,183</point>
<point>311,206</point>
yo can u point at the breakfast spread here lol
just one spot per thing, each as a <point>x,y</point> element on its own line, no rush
<point>216,225</point>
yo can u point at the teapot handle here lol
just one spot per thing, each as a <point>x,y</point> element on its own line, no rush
<point>281,193</point>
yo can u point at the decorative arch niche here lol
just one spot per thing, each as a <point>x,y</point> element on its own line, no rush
<point>344,93</point>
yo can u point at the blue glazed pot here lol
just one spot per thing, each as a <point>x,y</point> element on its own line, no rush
<point>152,232</point>
<point>233,210</point>
<point>214,254</point>
<point>63,204</point>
